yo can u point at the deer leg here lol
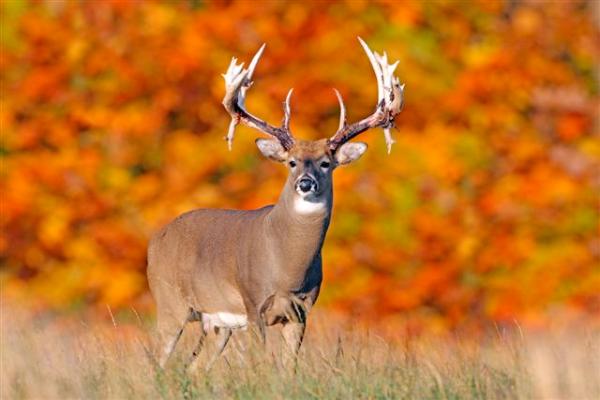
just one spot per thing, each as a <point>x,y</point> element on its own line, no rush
<point>170,329</point>
<point>169,342</point>
<point>262,333</point>
<point>193,361</point>
<point>223,335</point>
<point>292,333</point>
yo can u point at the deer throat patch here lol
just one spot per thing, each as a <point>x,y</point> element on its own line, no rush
<point>306,207</point>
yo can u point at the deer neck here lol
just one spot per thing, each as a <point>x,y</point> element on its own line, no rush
<point>299,226</point>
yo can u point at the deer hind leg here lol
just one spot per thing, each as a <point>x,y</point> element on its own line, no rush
<point>223,336</point>
<point>193,361</point>
<point>170,330</point>
<point>170,333</point>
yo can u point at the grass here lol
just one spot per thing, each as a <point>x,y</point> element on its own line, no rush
<point>66,357</point>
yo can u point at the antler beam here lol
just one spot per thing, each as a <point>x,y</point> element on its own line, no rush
<point>237,81</point>
<point>390,96</point>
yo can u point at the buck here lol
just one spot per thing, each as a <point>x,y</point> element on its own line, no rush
<point>230,268</point>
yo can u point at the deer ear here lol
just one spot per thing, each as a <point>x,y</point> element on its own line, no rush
<point>349,152</point>
<point>271,149</point>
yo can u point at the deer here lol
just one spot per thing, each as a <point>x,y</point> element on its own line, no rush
<point>231,269</point>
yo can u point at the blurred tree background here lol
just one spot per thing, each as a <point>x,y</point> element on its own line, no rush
<point>486,209</point>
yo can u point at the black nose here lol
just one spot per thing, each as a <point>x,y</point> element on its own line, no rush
<point>305,184</point>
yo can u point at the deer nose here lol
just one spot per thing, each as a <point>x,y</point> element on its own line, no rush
<point>306,184</point>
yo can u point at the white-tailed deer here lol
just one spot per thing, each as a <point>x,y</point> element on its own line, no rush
<point>229,268</point>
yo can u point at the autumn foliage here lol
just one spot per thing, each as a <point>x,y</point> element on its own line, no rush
<point>486,209</point>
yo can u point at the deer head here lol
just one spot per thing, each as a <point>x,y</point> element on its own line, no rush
<point>311,163</point>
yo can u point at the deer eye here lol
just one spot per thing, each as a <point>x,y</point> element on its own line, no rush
<point>292,164</point>
<point>325,164</point>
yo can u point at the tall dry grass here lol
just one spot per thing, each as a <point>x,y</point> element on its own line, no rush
<point>57,357</point>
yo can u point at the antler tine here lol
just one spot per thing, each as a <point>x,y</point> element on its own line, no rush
<point>248,78</point>
<point>286,110</point>
<point>342,110</point>
<point>390,95</point>
<point>376,68</point>
<point>237,81</point>
<point>255,60</point>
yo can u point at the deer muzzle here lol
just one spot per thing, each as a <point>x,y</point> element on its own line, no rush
<point>306,184</point>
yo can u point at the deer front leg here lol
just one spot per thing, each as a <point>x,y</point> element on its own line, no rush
<point>293,333</point>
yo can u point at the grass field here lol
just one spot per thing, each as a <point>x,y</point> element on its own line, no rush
<point>58,357</point>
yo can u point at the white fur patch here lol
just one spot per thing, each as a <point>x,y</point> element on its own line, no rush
<point>224,320</point>
<point>307,207</point>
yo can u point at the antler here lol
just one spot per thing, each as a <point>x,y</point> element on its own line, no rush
<point>390,95</point>
<point>237,82</point>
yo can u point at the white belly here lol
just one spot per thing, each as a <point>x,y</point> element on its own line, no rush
<point>224,320</point>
